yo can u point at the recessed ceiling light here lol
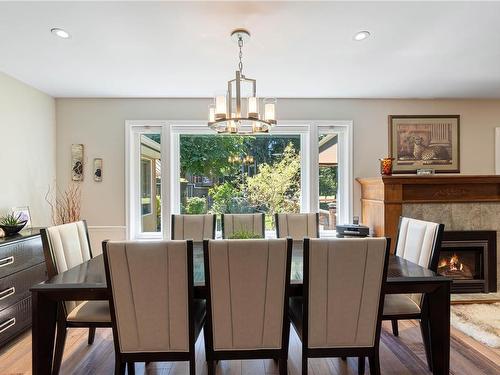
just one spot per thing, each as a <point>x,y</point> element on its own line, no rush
<point>61,33</point>
<point>361,35</point>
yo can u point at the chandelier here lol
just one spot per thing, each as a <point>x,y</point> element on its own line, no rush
<point>238,110</point>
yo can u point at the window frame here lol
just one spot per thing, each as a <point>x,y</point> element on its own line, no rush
<point>170,167</point>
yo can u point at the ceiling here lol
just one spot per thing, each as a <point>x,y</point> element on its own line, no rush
<point>297,49</point>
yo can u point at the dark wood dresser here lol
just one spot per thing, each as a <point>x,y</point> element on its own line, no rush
<point>22,265</point>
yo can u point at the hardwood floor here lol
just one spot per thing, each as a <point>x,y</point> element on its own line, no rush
<point>399,356</point>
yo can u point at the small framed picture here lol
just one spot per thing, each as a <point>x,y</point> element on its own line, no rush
<point>77,162</point>
<point>98,170</point>
<point>425,142</point>
<point>24,214</point>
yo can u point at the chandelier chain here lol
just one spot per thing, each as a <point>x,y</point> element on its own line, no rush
<point>240,45</point>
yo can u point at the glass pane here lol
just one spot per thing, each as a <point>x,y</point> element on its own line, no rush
<point>150,183</point>
<point>328,183</point>
<point>240,174</point>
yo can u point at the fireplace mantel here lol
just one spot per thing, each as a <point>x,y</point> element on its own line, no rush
<point>382,198</point>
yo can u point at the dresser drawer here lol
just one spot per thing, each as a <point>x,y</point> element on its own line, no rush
<point>15,319</point>
<point>16,287</point>
<point>19,255</point>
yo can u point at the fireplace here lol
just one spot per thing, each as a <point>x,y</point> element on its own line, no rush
<point>469,258</point>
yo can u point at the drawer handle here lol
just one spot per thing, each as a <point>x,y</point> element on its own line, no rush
<point>6,261</point>
<point>7,292</point>
<point>6,325</point>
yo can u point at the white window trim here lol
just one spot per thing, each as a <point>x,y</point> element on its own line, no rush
<point>170,131</point>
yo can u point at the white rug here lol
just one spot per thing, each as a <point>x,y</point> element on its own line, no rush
<point>480,321</point>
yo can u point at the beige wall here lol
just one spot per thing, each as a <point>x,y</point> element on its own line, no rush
<point>100,125</point>
<point>27,148</point>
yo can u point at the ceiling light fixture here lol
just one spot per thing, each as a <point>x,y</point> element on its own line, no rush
<point>361,35</point>
<point>61,33</point>
<point>238,110</point>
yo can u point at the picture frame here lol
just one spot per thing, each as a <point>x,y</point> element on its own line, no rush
<point>424,142</point>
<point>25,213</point>
<point>98,170</point>
<point>77,162</point>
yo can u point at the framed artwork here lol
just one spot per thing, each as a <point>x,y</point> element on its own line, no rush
<point>425,142</point>
<point>77,162</point>
<point>24,214</point>
<point>98,170</point>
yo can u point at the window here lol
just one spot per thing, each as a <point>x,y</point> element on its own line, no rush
<point>298,167</point>
<point>239,174</point>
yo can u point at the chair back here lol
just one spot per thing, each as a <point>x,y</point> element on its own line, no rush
<point>343,291</point>
<point>65,246</point>
<point>247,288</point>
<point>150,286</point>
<point>419,241</point>
<point>297,226</point>
<point>193,227</point>
<point>254,223</point>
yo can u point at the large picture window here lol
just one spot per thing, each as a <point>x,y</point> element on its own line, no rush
<point>295,168</point>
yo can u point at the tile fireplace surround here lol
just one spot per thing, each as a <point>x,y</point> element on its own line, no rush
<point>460,202</point>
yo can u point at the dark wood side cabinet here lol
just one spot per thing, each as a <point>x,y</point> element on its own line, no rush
<point>22,265</point>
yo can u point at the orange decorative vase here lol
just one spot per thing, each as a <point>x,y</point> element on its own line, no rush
<point>386,166</point>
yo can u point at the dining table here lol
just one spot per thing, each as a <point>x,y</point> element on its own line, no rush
<point>87,281</point>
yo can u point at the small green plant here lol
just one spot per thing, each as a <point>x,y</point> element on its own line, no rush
<point>244,235</point>
<point>11,220</point>
<point>196,205</point>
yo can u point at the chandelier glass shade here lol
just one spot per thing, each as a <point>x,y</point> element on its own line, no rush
<point>238,110</point>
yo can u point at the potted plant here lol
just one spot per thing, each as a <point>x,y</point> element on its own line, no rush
<point>12,224</point>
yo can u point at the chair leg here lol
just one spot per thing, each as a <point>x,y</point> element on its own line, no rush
<point>119,366</point>
<point>424,328</point>
<point>91,335</point>
<point>59,349</point>
<point>374,361</point>
<point>211,367</point>
<point>395,328</point>
<point>361,365</point>
<point>283,366</point>
<point>131,368</point>
<point>304,365</point>
<point>192,366</point>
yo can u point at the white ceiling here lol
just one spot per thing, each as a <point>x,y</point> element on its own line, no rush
<point>166,49</point>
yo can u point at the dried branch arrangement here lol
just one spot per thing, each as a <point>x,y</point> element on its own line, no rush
<point>65,204</point>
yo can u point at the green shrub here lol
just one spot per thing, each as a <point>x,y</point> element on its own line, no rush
<point>244,235</point>
<point>196,205</point>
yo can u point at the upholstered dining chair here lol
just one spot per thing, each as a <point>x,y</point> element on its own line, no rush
<point>253,223</point>
<point>151,296</point>
<point>419,242</point>
<point>297,226</point>
<point>193,227</point>
<point>340,312</point>
<point>66,246</point>
<point>247,293</point>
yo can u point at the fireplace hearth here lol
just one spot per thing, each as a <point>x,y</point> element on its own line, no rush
<point>469,258</point>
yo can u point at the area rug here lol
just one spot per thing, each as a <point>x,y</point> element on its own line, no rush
<point>481,321</point>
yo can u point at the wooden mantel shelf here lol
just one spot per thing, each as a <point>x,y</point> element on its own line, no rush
<point>382,198</point>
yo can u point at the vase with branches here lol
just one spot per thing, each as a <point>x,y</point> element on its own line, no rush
<point>65,203</point>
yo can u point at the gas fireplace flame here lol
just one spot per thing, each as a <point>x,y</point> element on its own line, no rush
<point>453,266</point>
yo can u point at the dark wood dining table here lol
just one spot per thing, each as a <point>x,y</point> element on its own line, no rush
<point>87,281</point>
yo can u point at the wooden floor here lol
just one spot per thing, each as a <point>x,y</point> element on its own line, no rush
<point>399,356</point>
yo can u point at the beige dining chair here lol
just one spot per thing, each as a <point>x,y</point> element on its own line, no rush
<point>419,242</point>
<point>253,223</point>
<point>340,312</point>
<point>66,246</point>
<point>247,289</point>
<point>151,296</point>
<point>297,226</point>
<point>193,227</point>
